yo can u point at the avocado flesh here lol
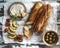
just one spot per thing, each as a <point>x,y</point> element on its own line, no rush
<point>12,29</point>
<point>12,26</point>
<point>11,35</point>
<point>15,24</point>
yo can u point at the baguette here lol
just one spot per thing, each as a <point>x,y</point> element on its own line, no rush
<point>43,19</point>
<point>49,13</point>
<point>33,13</point>
<point>41,10</point>
<point>40,19</point>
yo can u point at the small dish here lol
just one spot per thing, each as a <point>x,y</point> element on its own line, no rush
<point>50,38</point>
<point>17,10</point>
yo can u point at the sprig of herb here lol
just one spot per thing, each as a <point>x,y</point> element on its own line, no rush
<point>15,17</point>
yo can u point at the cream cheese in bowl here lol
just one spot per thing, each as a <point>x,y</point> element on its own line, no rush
<point>17,9</point>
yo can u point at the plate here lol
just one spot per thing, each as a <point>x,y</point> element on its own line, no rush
<point>36,39</point>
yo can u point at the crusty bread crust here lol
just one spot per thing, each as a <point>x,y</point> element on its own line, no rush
<point>42,21</point>
<point>33,13</point>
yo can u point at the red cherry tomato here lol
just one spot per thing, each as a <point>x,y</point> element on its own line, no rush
<point>7,20</point>
<point>6,30</point>
<point>19,36</point>
<point>20,40</point>
<point>7,23</point>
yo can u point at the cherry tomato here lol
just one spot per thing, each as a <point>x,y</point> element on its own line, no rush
<point>7,23</point>
<point>20,40</point>
<point>7,20</point>
<point>6,30</point>
<point>19,36</point>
